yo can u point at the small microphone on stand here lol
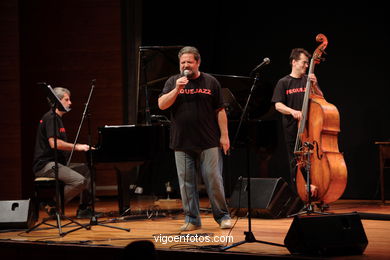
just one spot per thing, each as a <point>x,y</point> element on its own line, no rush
<point>263,63</point>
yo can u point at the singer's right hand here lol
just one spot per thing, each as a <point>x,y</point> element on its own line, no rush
<point>181,82</point>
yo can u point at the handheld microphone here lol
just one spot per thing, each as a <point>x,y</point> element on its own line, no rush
<point>186,73</point>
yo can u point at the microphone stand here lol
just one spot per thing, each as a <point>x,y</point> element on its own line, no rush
<point>54,104</point>
<point>81,123</point>
<point>249,237</point>
<point>94,218</point>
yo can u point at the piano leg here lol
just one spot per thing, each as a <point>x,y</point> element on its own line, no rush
<point>123,177</point>
<point>123,182</point>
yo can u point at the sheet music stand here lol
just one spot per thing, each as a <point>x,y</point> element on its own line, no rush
<point>230,102</point>
<point>55,103</point>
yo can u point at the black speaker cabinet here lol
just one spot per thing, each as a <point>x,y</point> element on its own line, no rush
<point>337,234</point>
<point>16,214</point>
<point>270,198</point>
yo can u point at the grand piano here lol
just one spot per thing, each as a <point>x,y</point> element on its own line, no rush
<point>134,145</point>
<point>121,143</point>
<point>148,141</point>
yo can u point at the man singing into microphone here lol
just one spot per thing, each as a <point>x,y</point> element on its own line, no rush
<point>288,98</point>
<point>199,134</point>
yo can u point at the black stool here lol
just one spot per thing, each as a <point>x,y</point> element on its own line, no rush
<point>45,192</point>
<point>384,163</point>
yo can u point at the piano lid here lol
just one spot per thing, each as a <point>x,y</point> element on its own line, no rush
<point>237,92</point>
<point>157,64</point>
<point>118,126</point>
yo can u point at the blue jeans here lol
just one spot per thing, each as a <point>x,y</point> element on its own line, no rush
<point>209,162</point>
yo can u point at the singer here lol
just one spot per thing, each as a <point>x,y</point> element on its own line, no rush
<point>199,134</point>
<point>76,176</point>
<point>288,98</point>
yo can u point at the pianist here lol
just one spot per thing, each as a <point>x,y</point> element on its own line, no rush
<point>76,176</point>
<point>198,133</point>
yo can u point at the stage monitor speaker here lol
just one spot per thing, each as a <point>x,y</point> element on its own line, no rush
<point>16,214</point>
<point>337,234</point>
<point>270,198</point>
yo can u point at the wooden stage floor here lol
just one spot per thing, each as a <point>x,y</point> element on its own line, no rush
<point>167,223</point>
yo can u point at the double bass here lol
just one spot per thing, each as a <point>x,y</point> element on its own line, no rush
<point>319,161</point>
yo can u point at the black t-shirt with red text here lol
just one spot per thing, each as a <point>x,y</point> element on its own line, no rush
<point>43,153</point>
<point>291,92</point>
<point>194,123</point>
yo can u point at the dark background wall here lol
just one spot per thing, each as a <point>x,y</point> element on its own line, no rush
<point>69,43</point>
<point>64,43</point>
<point>234,38</point>
<point>10,125</point>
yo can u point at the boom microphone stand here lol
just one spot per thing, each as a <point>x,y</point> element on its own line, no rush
<point>249,237</point>
<point>94,218</point>
<point>86,115</point>
<point>55,103</point>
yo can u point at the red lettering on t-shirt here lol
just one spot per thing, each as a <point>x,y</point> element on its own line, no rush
<point>195,91</point>
<point>295,90</point>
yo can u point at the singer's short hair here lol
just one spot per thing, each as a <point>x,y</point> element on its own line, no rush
<point>60,92</point>
<point>190,49</point>
<point>296,53</point>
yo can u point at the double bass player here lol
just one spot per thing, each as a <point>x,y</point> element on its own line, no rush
<point>288,97</point>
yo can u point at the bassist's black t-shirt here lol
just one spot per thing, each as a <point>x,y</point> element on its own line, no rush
<point>194,123</point>
<point>291,92</point>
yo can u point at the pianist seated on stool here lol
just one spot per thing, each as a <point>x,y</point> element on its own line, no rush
<point>75,177</point>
